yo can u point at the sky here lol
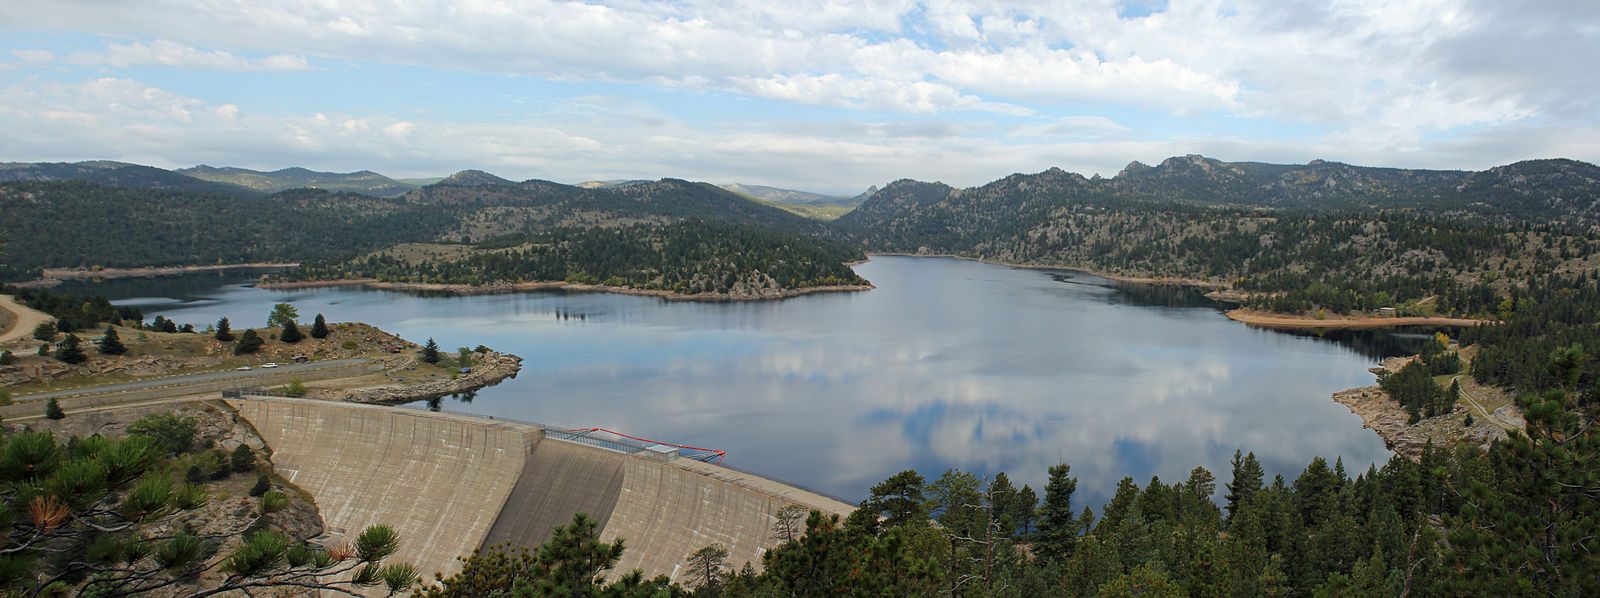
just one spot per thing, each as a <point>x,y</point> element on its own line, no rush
<point>818,95</point>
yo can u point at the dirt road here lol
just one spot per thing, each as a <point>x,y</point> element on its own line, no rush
<point>27,319</point>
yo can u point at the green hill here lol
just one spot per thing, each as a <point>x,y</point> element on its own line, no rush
<point>365,182</point>
<point>119,174</point>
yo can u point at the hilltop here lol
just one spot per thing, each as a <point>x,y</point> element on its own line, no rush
<point>365,181</point>
<point>119,174</point>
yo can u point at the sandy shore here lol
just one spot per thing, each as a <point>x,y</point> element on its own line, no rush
<point>1276,320</point>
<point>1166,280</point>
<point>26,319</point>
<point>521,287</point>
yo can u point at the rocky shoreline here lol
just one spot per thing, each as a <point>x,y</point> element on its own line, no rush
<point>1390,421</point>
<point>1277,320</point>
<point>762,294</point>
<point>491,369</point>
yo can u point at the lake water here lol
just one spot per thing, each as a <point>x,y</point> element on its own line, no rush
<point>948,363</point>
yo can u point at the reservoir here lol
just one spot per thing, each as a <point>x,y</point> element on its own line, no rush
<point>947,364</point>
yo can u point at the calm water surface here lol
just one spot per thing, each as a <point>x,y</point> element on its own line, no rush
<point>947,363</point>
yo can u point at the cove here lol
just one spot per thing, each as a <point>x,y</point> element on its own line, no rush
<point>948,363</point>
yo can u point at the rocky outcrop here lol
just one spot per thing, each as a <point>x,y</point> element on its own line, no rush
<point>491,368</point>
<point>1383,415</point>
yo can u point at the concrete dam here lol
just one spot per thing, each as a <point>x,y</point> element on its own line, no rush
<point>451,484</point>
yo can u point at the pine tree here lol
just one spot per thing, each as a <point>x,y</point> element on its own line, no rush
<point>291,333</point>
<point>70,352</point>
<point>110,344</point>
<point>1025,509</point>
<point>319,328</point>
<point>249,342</point>
<point>224,333</point>
<point>1002,498</point>
<point>1247,474</point>
<point>1058,527</point>
<point>52,410</point>
<point>899,500</point>
<point>45,331</point>
<point>430,351</point>
<point>707,566</point>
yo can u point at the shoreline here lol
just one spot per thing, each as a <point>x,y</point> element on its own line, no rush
<point>1299,322</point>
<point>494,368</point>
<point>1160,280</point>
<point>49,277</point>
<point>551,285</point>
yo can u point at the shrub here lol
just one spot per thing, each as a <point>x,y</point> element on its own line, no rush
<point>263,484</point>
<point>172,434</point>
<point>243,459</point>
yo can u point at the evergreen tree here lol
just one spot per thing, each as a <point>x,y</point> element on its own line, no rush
<point>1024,511</point>
<point>110,344</point>
<point>243,459</point>
<point>6,358</point>
<point>282,314</point>
<point>707,566</point>
<point>319,328</point>
<point>249,342</point>
<point>52,410</point>
<point>899,500</point>
<point>224,333</point>
<point>953,500</point>
<point>1002,499</point>
<point>1058,527</point>
<point>1247,474</point>
<point>45,331</point>
<point>70,352</point>
<point>291,333</point>
<point>430,351</point>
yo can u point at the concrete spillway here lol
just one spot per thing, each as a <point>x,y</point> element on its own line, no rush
<point>450,484</point>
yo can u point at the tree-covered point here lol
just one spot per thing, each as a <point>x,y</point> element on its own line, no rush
<point>72,312</point>
<point>79,224</point>
<point>687,257</point>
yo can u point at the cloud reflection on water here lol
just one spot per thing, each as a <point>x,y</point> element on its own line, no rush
<point>946,364</point>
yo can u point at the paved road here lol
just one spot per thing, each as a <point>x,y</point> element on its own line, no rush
<point>243,378</point>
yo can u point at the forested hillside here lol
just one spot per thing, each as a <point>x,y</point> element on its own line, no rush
<point>501,208</point>
<point>1325,236</point>
<point>699,238</point>
<point>79,224</point>
<point>365,182</point>
<point>118,174</point>
<point>687,257</point>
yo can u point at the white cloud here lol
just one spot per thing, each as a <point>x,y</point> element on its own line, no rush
<point>165,53</point>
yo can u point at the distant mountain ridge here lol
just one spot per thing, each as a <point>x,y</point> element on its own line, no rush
<point>118,174</point>
<point>365,181</point>
<point>1557,190</point>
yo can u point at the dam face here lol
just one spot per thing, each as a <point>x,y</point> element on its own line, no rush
<point>450,484</point>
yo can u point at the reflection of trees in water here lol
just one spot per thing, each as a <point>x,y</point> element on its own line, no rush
<point>437,403</point>
<point>1375,344</point>
<point>185,286</point>
<point>1378,343</point>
